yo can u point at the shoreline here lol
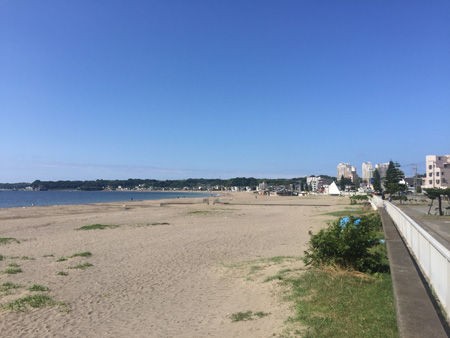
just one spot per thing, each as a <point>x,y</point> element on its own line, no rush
<point>130,198</point>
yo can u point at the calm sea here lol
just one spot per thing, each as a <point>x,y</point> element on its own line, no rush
<point>11,199</point>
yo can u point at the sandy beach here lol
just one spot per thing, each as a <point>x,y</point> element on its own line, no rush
<point>176,270</point>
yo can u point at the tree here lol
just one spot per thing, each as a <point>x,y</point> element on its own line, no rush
<point>343,182</point>
<point>433,193</point>
<point>377,181</point>
<point>392,180</point>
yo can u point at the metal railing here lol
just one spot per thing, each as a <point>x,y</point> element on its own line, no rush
<point>431,256</point>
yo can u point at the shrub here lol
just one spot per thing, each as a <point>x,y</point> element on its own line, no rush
<point>349,242</point>
<point>358,198</point>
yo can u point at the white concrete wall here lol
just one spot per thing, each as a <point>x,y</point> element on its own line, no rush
<point>431,256</point>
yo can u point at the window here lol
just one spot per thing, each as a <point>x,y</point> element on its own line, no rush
<point>437,174</point>
<point>439,158</point>
<point>430,167</point>
<point>437,181</point>
<point>430,175</point>
<point>445,165</point>
<point>430,182</point>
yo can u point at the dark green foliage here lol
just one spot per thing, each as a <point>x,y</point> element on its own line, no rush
<point>354,245</point>
<point>190,183</point>
<point>437,193</point>
<point>358,198</point>
<point>393,176</point>
<point>377,181</point>
<point>343,182</point>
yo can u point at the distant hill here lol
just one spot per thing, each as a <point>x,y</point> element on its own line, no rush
<point>191,183</point>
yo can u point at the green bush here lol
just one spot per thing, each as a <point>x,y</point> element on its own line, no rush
<point>350,242</point>
<point>358,198</point>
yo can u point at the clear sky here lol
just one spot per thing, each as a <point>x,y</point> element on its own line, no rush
<point>183,88</point>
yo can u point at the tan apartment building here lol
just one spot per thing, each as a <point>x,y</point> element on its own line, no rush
<point>367,172</point>
<point>437,171</point>
<point>346,170</point>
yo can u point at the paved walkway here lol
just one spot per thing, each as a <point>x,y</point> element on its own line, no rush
<point>416,313</point>
<point>437,226</point>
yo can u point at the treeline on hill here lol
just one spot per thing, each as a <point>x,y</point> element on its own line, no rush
<point>191,183</point>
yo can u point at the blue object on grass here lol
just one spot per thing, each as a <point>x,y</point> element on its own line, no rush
<point>344,221</point>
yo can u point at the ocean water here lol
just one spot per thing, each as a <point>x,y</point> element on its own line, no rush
<point>12,199</point>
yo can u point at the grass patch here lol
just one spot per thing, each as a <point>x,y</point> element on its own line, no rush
<point>262,262</point>
<point>82,254</point>
<point>247,315</point>
<point>33,301</point>
<point>27,258</point>
<point>199,212</point>
<point>50,255</point>
<point>1,257</point>
<point>81,266</point>
<point>61,259</point>
<point>5,287</point>
<point>160,223</point>
<point>344,304</point>
<point>7,240</point>
<point>346,212</point>
<point>13,268</point>
<point>38,287</point>
<point>98,227</point>
<point>62,273</point>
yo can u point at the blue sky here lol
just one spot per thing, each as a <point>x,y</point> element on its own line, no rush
<point>176,89</point>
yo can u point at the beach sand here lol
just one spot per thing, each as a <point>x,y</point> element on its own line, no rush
<point>176,270</point>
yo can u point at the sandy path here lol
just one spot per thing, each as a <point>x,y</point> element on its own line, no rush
<point>154,280</point>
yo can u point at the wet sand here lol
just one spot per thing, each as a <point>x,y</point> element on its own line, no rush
<point>177,270</point>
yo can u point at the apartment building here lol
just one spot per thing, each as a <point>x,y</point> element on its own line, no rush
<point>346,170</point>
<point>367,171</point>
<point>437,171</point>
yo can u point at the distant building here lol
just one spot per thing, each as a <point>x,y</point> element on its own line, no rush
<point>313,182</point>
<point>437,171</point>
<point>382,169</point>
<point>262,186</point>
<point>348,171</point>
<point>367,172</point>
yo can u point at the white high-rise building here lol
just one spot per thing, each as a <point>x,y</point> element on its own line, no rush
<point>367,171</point>
<point>437,171</point>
